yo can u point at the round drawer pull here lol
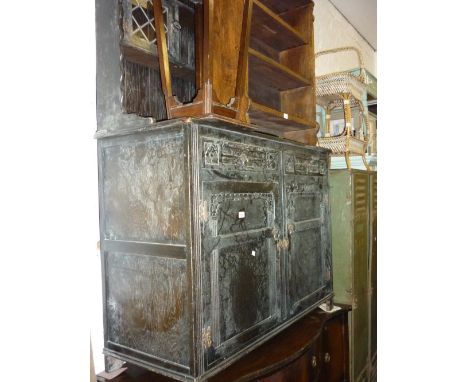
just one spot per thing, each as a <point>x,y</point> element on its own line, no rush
<point>314,361</point>
<point>327,357</point>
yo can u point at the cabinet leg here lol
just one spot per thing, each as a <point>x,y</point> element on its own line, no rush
<point>111,364</point>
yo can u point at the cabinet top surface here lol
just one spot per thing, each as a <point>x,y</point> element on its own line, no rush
<point>210,121</point>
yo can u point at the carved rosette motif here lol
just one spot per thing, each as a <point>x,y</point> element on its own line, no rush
<point>231,154</point>
<point>211,153</point>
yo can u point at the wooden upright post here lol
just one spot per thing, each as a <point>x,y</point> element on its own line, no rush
<point>242,84</point>
<point>163,56</point>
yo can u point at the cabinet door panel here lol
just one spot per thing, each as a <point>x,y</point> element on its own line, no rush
<point>373,265</point>
<point>305,265</point>
<point>240,262</point>
<point>307,271</point>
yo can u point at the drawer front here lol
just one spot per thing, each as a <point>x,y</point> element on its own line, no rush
<point>307,368</point>
<point>224,153</point>
<point>236,212</point>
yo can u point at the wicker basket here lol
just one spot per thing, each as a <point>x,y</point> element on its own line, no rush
<point>330,86</point>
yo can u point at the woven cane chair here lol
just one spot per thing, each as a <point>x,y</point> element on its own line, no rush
<point>346,90</point>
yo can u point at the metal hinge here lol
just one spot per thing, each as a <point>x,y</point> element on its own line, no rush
<point>203,211</point>
<point>206,337</point>
<point>282,244</point>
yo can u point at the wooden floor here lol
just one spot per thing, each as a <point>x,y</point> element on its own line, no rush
<point>136,374</point>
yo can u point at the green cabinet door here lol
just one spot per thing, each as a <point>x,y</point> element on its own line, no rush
<point>373,275</point>
<point>350,205</point>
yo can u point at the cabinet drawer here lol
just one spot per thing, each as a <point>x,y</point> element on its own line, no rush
<point>240,212</point>
<point>306,368</point>
<point>304,164</point>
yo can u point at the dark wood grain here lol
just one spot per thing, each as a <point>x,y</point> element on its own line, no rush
<point>282,5</point>
<point>272,29</point>
<point>297,354</point>
<point>163,55</point>
<point>273,74</point>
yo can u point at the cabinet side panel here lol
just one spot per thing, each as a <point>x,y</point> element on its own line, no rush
<point>147,306</point>
<point>144,232</point>
<point>340,214</point>
<point>144,193</point>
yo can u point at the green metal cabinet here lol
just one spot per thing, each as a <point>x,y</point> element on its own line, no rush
<point>373,275</point>
<point>353,220</point>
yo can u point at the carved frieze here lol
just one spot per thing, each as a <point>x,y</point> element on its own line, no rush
<point>304,165</point>
<point>228,154</point>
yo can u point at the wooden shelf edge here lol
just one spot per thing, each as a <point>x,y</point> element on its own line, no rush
<point>279,20</point>
<point>279,66</point>
<point>150,60</point>
<point>291,4</point>
<point>257,106</point>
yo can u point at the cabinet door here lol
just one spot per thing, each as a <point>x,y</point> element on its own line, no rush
<point>307,255</point>
<point>360,313</point>
<point>240,198</point>
<point>373,270</point>
<point>240,262</point>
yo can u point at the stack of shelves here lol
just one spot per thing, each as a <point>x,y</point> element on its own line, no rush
<point>281,66</point>
<point>254,63</point>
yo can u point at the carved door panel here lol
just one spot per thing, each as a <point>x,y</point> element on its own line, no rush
<point>307,272</point>
<point>241,222</point>
<point>240,263</point>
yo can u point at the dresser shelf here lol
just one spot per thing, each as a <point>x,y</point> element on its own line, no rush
<point>273,74</point>
<point>276,120</point>
<point>254,62</point>
<point>270,28</point>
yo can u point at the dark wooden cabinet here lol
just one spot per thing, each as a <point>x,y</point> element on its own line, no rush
<point>214,236</point>
<point>212,241</point>
<point>313,349</point>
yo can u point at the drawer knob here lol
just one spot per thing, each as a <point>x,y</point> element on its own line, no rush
<point>314,361</point>
<point>327,357</point>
